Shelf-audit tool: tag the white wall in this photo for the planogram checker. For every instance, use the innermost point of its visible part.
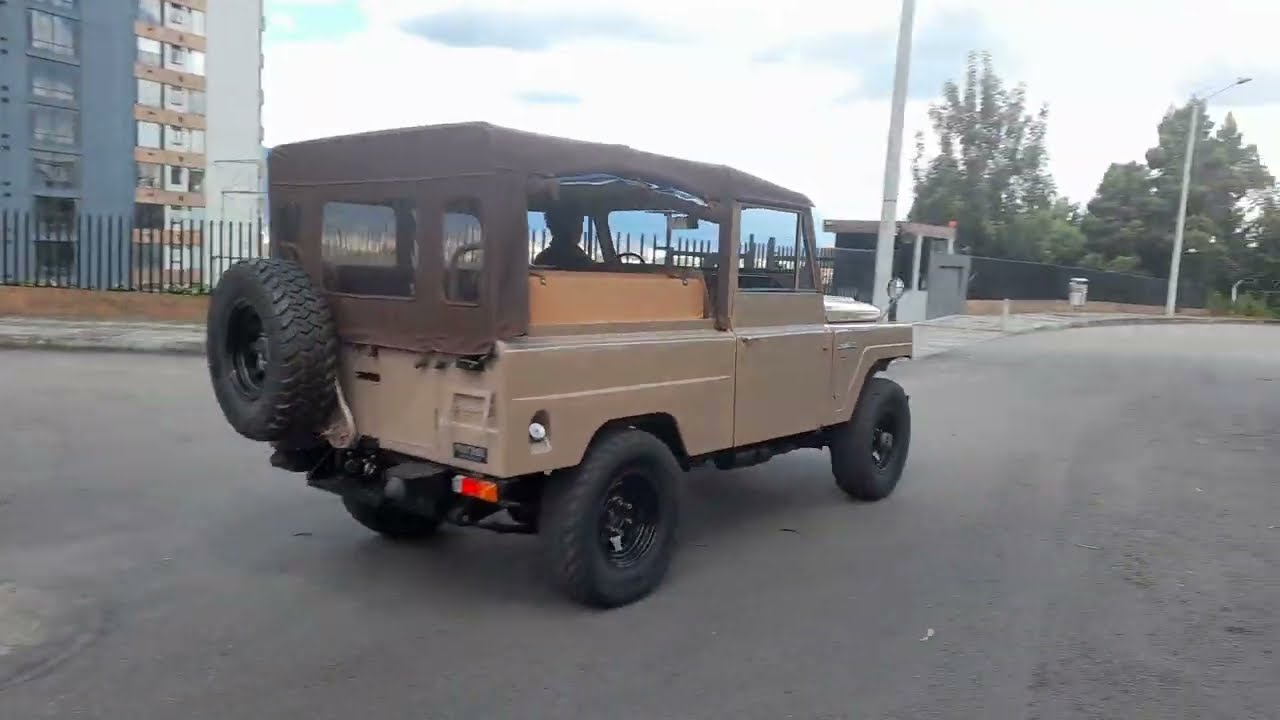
(233, 143)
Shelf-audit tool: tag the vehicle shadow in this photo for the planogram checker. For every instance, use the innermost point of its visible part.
(318, 543)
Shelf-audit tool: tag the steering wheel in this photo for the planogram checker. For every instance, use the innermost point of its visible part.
(454, 285)
(637, 256)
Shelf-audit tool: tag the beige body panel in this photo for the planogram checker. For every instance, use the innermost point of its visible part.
(560, 297)
(782, 371)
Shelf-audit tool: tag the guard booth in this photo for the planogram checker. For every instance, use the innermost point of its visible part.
(936, 278)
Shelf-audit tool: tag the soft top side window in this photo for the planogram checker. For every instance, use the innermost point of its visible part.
(370, 248)
(463, 251)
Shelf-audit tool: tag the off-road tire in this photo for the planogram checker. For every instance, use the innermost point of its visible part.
(572, 520)
(392, 522)
(856, 469)
(297, 392)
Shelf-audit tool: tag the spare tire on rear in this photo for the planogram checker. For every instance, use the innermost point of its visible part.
(272, 350)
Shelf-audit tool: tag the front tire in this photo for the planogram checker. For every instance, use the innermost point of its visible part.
(390, 521)
(869, 451)
(608, 525)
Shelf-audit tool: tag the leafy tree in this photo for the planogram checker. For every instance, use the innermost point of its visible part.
(990, 167)
(1134, 213)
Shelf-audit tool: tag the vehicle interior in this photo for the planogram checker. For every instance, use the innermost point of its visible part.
(581, 276)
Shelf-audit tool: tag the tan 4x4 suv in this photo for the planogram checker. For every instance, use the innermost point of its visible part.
(403, 349)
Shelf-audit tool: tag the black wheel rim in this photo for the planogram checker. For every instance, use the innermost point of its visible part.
(629, 518)
(247, 350)
(884, 445)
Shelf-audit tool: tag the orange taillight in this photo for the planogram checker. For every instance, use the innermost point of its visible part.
(475, 487)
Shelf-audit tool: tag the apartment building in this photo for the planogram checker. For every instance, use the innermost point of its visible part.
(147, 110)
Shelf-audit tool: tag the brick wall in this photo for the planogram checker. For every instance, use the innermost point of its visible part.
(101, 305)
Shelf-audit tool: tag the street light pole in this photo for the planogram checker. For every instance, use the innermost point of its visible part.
(1175, 261)
(893, 160)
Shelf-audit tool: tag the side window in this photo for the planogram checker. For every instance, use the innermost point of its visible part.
(772, 250)
(370, 249)
(463, 251)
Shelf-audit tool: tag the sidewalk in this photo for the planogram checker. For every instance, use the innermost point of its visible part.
(933, 337)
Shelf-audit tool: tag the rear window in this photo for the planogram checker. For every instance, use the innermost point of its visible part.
(370, 248)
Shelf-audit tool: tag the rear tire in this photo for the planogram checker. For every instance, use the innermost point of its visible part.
(608, 525)
(272, 350)
(866, 463)
(392, 522)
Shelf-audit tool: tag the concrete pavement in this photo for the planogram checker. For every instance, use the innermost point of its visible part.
(1088, 526)
(932, 337)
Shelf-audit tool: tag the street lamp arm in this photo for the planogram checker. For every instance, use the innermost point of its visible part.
(1239, 81)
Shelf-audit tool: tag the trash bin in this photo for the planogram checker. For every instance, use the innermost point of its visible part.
(1078, 292)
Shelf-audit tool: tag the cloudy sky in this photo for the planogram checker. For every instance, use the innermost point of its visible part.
(796, 91)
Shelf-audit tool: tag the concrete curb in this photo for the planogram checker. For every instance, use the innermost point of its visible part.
(111, 345)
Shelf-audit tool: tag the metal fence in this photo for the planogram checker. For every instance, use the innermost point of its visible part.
(997, 279)
(110, 253)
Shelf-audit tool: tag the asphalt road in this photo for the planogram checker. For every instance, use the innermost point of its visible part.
(1089, 527)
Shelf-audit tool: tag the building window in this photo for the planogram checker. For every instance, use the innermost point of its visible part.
(149, 93)
(195, 102)
(55, 171)
(184, 19)
(180, 139)
(177, 138)
(463, 252)
(55, 217)
(183, 215)
(370, 249)
(176, 99)
(149, 11)
(148, 216)
(53, 82)
(150, 176)
(177, 179)
(55, 226)
(68, 6)
(148, 135)
(56, 127)
(184, 59)
(183, 100)
(149, 52)
(197, 181)
(53, 33)
(56, 255)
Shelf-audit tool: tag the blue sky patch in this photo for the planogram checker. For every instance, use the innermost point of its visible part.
(299, 22)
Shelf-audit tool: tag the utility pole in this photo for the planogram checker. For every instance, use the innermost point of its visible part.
(893, 160)
(1175, 260)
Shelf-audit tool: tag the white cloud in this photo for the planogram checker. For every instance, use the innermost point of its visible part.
(1108, 70)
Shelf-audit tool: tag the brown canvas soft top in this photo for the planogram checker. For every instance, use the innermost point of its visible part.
(441, 151)
(496, 166)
